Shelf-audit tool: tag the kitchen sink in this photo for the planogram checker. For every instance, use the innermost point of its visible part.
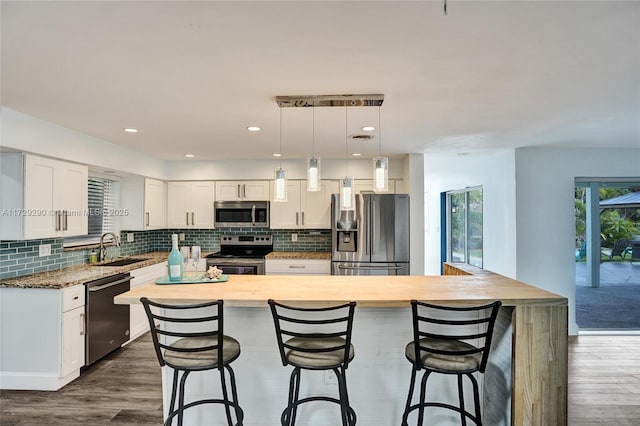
(122, 262)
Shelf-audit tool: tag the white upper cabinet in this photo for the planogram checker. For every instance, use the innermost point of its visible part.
(250, 190)
(155, 202)
(286, 215)
(303, 209)
(145, 201)
(190, 204)
(42, 197)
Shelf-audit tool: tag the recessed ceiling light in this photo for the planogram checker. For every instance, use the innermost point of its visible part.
(356, 154)
(130, 130)
(253, 128)
(277, 154)
(367, 128)
(189, 155)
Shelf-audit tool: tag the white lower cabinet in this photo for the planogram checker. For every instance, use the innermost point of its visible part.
(42, 334)
(297, 267)
(138, 323)
(73, 335)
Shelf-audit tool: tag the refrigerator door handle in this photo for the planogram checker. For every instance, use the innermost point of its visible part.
(366, 207)
(370, 267)
(372, 215)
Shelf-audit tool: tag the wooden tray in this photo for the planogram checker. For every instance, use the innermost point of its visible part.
(192, 280)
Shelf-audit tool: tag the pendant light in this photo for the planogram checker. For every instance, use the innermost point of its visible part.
(347, 193)
(313, 163)
(280, 176)
(380, 165)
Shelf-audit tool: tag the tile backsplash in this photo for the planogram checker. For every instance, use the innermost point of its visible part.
(19, 258)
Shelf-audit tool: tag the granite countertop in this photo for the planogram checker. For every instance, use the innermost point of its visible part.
(79, 274)
(313, 255)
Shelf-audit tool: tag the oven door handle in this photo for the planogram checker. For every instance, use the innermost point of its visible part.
(253, 215)
(107, 285)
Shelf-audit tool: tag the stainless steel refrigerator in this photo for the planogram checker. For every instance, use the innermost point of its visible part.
(372, 239)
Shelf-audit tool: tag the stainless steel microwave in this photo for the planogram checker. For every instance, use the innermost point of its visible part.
(241, 214)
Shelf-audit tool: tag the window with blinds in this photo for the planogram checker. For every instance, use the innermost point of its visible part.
(101, 201)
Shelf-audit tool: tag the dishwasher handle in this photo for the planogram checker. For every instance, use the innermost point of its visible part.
(107, 285)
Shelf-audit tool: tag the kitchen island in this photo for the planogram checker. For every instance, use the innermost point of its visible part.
(525, 384)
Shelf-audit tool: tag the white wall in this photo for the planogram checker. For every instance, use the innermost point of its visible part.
(545, 221)
(415, 181)
(29, 134)
(264, 169)
(495, 173)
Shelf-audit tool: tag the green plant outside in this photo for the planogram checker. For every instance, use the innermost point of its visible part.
(613, 226)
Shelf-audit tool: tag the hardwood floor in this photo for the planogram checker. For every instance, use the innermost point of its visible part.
(124, 389)
(604, 381)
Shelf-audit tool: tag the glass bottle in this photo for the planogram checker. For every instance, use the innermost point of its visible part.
(174, 262)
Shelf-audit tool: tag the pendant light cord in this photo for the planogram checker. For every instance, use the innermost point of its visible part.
(280, 152)
(313, 129)
(379, 133)
(346, 140)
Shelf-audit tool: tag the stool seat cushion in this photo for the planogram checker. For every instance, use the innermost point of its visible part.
(204, 358)
(445, 363)
(320, 360)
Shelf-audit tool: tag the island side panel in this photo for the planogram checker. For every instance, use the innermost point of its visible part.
(540, 370)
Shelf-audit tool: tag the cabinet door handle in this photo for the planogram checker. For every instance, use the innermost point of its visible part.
(57, 220)
(296, 218)
(83, 325)
(66, 215)
(147, 218)
(193, 221)
(297, 267)
(303, 218)
(239, 195)
(187, 218)
(244, 190)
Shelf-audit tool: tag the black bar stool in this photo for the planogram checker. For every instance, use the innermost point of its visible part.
(197, 344)
(441, 344)
(315, 339)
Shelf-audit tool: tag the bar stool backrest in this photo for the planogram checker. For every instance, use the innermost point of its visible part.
(470, 324)
(202, 320)
(313, 323)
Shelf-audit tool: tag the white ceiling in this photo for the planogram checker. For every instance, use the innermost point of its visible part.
(193, 75)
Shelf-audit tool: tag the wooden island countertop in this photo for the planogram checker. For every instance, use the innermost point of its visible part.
(368, 291)
(536, 387)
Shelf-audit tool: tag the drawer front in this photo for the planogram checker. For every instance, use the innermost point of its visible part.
(147, 274)
(298, 266)
(73, 297)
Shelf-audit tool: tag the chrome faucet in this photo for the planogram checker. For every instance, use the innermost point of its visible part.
(103, 250)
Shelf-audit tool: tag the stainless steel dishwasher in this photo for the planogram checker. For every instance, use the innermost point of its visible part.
(107, 323)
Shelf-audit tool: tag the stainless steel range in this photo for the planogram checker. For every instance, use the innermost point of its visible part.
(242, 254)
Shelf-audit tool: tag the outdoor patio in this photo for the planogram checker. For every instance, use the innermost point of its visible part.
(615, 305)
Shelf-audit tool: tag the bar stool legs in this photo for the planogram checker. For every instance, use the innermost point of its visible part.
(347, 414)
(228, 403)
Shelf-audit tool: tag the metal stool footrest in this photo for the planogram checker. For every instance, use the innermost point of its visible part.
(227, 404)
(440, 405)
(351, 414)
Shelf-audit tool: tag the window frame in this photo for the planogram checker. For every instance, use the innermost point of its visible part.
(467, 228)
